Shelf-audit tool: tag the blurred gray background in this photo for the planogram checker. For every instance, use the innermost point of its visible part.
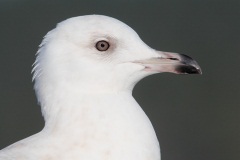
(195, 117)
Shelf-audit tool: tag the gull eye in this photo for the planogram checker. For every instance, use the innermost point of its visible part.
(102, 45)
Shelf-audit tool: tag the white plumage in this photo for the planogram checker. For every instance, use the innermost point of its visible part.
(86, 93)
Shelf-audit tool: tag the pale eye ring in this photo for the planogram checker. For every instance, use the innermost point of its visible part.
(102, 45)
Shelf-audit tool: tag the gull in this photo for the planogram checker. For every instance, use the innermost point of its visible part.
(84, 74)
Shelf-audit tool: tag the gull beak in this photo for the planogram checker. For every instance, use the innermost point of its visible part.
(172, 63)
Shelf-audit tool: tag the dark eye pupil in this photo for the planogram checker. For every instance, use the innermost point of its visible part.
(102, 45)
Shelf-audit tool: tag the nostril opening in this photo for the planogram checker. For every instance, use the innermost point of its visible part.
(175, 59)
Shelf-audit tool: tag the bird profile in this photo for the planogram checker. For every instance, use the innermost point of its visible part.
(84, 74)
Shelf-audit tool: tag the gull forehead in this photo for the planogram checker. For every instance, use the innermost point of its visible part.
(97, 24)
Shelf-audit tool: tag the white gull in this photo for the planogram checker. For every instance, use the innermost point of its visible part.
(84, 74)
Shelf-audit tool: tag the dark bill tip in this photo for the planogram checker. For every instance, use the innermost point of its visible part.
(187, 69)
(188, 66)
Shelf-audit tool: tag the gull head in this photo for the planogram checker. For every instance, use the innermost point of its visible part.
(99, 54)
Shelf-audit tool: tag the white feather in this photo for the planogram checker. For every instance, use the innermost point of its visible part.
(86, 95)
